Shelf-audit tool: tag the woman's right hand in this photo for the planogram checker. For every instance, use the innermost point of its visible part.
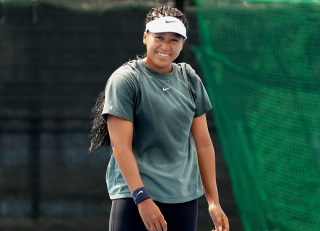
(152, 216)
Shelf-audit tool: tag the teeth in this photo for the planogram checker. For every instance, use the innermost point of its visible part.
(164, 55)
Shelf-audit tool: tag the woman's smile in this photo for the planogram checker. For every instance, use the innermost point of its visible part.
(163, 55)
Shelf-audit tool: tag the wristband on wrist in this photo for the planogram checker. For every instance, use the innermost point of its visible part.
(140, 195)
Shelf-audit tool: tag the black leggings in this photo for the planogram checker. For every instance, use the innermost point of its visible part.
(124, 216)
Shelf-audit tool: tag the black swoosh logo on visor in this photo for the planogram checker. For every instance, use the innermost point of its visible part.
(167, 21)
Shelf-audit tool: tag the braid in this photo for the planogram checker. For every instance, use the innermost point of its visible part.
(99, 132)
(163, 11)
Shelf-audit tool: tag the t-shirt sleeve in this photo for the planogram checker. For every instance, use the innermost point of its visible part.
(200, 95)
(120, 94)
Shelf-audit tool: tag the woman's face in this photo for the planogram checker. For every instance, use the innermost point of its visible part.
(162, 50)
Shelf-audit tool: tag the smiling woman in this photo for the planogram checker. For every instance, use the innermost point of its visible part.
(154, 112)
(162, 50)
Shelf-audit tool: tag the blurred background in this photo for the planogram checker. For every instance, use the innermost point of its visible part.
(259, 61)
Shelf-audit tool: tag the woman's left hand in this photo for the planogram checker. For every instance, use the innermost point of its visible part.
(218, 217)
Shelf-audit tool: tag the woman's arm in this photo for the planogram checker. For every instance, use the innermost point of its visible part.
(121, 136)
(206, 159)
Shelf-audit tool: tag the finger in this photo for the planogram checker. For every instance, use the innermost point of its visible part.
(225, 223)
(158, 226)
(152, 227)
(218, 224)
(164, 225)
(148, 227)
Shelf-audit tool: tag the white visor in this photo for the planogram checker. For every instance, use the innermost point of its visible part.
(167, 24)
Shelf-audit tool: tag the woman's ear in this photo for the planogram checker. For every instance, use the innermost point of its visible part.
(145, 38)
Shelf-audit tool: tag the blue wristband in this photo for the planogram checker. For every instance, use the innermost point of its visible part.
(140, 195)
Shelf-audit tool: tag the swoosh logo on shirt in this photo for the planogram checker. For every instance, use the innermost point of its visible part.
(165, 89)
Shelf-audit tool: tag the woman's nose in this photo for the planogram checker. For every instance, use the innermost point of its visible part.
(165, 45)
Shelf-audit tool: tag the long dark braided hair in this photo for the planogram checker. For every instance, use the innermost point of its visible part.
(99, 132)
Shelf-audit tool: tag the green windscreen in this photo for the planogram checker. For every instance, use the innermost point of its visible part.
(261, 64)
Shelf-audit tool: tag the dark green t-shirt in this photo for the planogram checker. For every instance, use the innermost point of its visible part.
(161, 108)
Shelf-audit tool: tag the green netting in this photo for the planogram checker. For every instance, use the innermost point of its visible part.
(214, 3)
(261, 65)
(281, 1)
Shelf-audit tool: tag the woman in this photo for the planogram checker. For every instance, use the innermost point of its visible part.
(154, 112)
